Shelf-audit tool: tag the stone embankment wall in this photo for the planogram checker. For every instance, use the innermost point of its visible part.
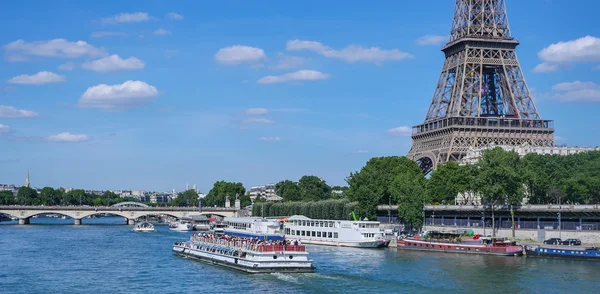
(586, 237)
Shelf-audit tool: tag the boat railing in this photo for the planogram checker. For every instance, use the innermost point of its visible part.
(241, 245)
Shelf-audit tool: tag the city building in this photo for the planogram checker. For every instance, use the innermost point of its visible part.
(474, 154)
(10, 187)
(266, 192)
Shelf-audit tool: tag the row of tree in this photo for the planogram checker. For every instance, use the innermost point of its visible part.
(49, 196)
(217, 196)
(308, 188)
(324, 209)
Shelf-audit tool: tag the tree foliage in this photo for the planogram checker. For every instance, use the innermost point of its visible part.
(325, 209)
(312, 188)
(288, 190)
(448, 180)
(221, 189)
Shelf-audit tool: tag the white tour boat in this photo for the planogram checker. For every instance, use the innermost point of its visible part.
(181, 226)
(143, 227)
(335, 232)
(248, 255)
(254, 227)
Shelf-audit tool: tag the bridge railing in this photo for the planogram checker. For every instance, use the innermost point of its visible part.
(112, 208)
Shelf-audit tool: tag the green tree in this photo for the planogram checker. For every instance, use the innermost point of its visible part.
(221, 189)
(245, 200)
(186, 198)
(288, 190)
(27, 196)
(7, 198)
(313, 188)
(499, 180)
(411, 193)
(339, 192)
(448, 180)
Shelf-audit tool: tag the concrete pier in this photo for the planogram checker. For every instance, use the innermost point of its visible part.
(77, 221)
(24, 221)
(131, 221)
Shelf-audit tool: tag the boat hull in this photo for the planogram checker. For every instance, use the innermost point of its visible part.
(562, 253)
(418, 245)
(242, 264)
(357, 244)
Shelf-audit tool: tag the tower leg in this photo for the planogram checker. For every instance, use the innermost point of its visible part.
(24, 221)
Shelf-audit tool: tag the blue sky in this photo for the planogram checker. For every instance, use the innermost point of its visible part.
(156, 94)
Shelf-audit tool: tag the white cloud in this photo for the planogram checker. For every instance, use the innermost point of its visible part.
(130, 94)
(257, 111)
(559, 138)
(352, 53)
(240, 54)
(126, 17)
(4, 129)
(109, 34)
(361, 151)
(40, 78)
(400, 131)
(269, 139)
(67, 66)
(161, 32)
(114, 63)
(258, 120)
(68, 137)
(576, 92)
(582, 50)
(287, 62)
(174, 16)
(11, 112)
(431, 40)
(301, 75)
(19, 50)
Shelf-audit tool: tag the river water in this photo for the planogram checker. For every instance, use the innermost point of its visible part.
(107, 257)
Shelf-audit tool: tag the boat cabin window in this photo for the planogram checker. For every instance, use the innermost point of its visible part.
(328, 234)
(313, 233)
(335, 235)
(319, 234)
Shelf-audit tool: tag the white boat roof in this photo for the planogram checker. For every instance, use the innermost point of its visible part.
(301, 217)
(248, 219)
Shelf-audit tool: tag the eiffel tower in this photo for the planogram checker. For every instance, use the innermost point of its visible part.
(481, 98)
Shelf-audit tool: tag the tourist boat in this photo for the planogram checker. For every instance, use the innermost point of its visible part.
(143, 227)
(452, 242)
(181, 226)
(246, 255)
(218, 228)
(558, 251)
(254, 227)
(356, 233)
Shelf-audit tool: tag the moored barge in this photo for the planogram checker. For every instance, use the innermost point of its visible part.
(567, 252)
(246, 254)
(451, 242)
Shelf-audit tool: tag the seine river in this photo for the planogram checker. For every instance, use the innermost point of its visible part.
(108, 257)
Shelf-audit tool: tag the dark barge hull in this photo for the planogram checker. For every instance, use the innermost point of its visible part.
(246, 269)
(569, 254)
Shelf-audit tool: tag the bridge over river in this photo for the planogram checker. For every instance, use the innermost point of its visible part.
(130, 211)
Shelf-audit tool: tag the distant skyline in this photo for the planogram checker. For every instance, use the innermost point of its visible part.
(118, 95)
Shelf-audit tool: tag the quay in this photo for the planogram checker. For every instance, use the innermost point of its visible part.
(128, 210)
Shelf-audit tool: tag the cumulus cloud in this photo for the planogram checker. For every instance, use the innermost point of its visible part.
(40, 78)
(352, 53)
(174, 16)
(400, 131)
(301, 75)
(114, 63)
(257, 111)
(431, 40)
(576, 92)
(269, 138)
(19, 50)
(67, 66)
(130, 94)
(582, 50)
(161, 32)
(108, 34)
(11, 112)
(258, 120)
(67, 137)
(240, 54)
(126, 17)
(4, 129)
(287, 62)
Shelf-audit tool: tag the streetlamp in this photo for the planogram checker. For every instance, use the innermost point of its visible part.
(559, 226)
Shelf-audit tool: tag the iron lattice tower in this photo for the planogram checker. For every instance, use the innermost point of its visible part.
(481, 98)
